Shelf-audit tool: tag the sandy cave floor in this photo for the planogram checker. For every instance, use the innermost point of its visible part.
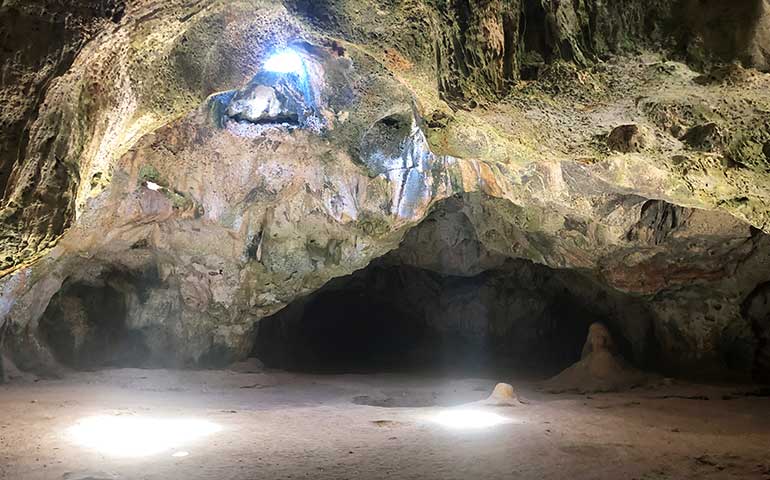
(279, 425)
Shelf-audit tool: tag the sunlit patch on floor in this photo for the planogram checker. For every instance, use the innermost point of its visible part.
(131, 436)
(468, 419)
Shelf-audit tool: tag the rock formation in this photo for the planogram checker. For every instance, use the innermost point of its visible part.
(600, 369)
(503, 396)
(152, 166)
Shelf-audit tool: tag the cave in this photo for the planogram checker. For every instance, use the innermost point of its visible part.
(390, 317)
(345, 329)
(384, 239)
(97, 335)
(117, 318)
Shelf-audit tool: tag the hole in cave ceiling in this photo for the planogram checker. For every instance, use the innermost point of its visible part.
(282, 94)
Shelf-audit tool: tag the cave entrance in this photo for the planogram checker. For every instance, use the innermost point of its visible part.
(86, 324)
(391, 317)
(350, 326)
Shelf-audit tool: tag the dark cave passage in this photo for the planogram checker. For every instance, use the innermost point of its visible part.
(388, 318)
(756, 308)
(85, 326)
(90, 325)
(341, 330)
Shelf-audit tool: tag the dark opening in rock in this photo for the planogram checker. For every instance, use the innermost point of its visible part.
(347, 326)
(537, 38)
(87, 324)
(383, 145)
(400, 318)
(756, 308)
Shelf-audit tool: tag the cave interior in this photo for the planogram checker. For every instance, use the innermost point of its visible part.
(384, 239)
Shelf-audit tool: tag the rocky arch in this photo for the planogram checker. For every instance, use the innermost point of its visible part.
(132, 151)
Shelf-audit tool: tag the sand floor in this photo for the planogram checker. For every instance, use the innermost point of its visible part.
(290, 426)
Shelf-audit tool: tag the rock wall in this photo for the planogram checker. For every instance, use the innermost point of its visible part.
(37, 181)
(645, 283)
(603, 137)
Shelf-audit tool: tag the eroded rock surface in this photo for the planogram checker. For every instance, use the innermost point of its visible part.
(627, 143)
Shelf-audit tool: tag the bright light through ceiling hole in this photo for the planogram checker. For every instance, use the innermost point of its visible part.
(285, 61)
(131, 436)
(465, 419)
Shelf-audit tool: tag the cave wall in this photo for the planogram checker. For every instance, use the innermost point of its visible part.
(476, 308)
(755, 309)
(481, 48)
(114, 319)
(37, 183)
(602, 137)
(677, 288)
(716, 31)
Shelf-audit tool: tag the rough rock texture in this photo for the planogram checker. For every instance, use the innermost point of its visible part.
(756, 309)
(503, 396)
(624, 140)
(600, 369)
(40, 43)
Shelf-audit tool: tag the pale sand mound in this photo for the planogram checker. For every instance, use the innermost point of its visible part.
(599, 370)
(503, 396)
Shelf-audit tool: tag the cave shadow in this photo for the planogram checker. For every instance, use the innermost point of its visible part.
(518, 320)
(87, 324)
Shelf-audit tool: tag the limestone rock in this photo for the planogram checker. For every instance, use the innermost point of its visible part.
(599, 339)
(9, 373)
(261, 104)
(600, 369)
(251, 365)
(251, 214)
(628, 139)
(757, 308)
(706, 137)
(503, 396)
(89, 475)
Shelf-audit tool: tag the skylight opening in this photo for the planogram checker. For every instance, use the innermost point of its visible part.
(285, 61)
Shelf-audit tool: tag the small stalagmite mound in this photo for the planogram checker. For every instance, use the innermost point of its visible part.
(600, 369)
(503, 396)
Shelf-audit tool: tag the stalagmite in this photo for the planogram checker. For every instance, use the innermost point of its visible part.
(600, 369)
